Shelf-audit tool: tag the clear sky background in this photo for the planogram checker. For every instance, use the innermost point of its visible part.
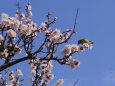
(96, 21)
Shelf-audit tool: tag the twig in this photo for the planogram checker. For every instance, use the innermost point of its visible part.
(73, 29)
(75, 83)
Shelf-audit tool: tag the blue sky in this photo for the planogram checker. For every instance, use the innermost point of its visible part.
(96, 21)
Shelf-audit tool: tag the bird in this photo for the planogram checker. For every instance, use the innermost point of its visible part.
(84, 40)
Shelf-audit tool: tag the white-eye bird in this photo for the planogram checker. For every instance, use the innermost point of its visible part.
(84, 40)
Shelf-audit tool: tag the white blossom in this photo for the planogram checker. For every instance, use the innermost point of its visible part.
(30, 79)
(74, 63)
(1, 38)
(43, 25)
(19, 73)
(23, 15)
(30, 14)
(49, 77)
(59, 82)
(9, 83)
(67, 50)
(4, 15)
(74, 48)
(4, 54)
(11, 75)
(11, 33)
(29, 7)
(33, 72)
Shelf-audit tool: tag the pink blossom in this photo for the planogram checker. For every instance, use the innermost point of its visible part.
(30, 14)
(49, 77)
(4, 54)
(81, 48)
(43, 25)
(11, 75)
(67, 50)
(23, 15)
(59, 82)
(30, 79)
(29, 7)
(4, 15)
(19, 73)
(55, 32)
(0, 75)
(74, 63)
(50, 66)
(74, 48)
(1, 38)
(17, 49)
(33, 72)
(11, 33)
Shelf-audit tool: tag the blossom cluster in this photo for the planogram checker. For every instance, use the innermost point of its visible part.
(74, 48)
(56, 36)
(9, 49)
(45, 68)
(13, 78)
(70, 49)
(9, 22)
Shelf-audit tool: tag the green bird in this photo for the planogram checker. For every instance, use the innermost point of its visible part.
(84, 40)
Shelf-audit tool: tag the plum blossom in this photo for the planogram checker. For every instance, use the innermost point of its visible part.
(11, 75)
(81, 48)
(33, 72)
(4, 15)
(1, 38)
(50, 66)
(10, 83)
(30, 14)
(30, 79)
(0, 75)
(70, 49)
(5, 23)
(74, 63)
(27, 29)
(67, 35)
(17, 49)
(67, 50)
(49, 77)
(59, 82)
(56, 36)
(55, 32)
(11, 33)
(23, 15)
(74, 48)
(9, 22)
(44, 65)
(4, 54)
(29, 7)
(15, 22)
(33, 63)
(18, 73)
(43, 25)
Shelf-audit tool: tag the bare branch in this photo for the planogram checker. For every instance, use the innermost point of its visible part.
(75, 83)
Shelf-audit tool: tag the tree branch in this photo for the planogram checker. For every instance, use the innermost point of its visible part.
(4, 66)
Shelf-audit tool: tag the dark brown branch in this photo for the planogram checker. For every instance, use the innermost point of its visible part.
(4, 66)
